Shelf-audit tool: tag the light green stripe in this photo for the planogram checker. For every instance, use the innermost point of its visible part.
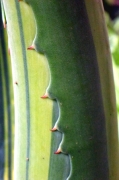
(26, 85)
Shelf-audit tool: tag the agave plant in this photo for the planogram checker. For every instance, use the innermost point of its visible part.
(65, 112)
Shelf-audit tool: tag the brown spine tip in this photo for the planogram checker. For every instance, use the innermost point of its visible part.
(5, 25)
(53, 129)
(32, 47)
(58, 151)
(44, 96)
(16, 82)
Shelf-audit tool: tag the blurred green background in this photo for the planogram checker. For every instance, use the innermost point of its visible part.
(112, 21)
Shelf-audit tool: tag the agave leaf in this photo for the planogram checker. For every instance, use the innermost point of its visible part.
(72, 66)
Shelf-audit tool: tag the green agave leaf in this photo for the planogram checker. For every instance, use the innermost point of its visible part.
(107, 84)
(33, 115)
(73, 67)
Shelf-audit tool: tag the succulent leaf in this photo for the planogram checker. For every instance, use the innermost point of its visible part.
(70, 64)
